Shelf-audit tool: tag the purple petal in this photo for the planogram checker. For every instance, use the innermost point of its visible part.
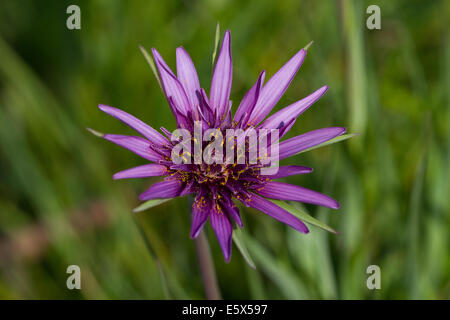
(158, 58)
(162, 190)
(207, 112)
(286, 171)
(200, 213)
(285, 191)
(223, 229)
(274, 89)
(307, 140)
(147, 170)
(286, 128)
(141, 127)
(182, 120)
(233, 211)
(187, 75)
(172, 87)
(222, 77)
(271, 209)
(292, 111)
(249, 101)
(138, 145)
(188, 189)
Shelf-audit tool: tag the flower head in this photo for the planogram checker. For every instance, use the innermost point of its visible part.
(214, 185)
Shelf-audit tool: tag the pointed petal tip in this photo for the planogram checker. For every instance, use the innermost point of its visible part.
(338, 130)
(109, 110)
(196, 231)
(226, 41)
(194, 235)
(275, 88)
(162, 190)
(144, 196)
(298, 59)
(262, 75)
(156, 55)
(224, 230)
(227, 254)
(197, 226)
(112, 111)
(180, 49)
(104, 107)
(302, 53)
(222, 78)
(119, 176)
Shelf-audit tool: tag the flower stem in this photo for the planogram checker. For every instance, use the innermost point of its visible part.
(207, 270)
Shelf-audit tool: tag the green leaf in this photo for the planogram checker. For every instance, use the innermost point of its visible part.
(279, 272)
(150, 61)
(240, 244)
(150, 204)
(96, 133)
(308, 45)
(334, 140)
(216, 43)
(302, 215)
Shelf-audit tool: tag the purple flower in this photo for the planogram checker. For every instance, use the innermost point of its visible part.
(214, 186)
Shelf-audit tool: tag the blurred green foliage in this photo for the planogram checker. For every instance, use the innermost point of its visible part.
(59, 205)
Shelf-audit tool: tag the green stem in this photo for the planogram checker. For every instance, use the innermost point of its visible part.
(206, 263)
(207, 270)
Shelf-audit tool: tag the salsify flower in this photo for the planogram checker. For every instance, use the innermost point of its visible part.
(214, 186)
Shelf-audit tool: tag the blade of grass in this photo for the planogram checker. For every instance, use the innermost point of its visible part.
(334, 140)
(353, 33)
(280, 274)
(151, 63)
(150, 204)
(255, 284)
(413, 221)
(165, 287)
(96, 133)
(240, 244)
(216, 43)
(302, 215)
(158, 252)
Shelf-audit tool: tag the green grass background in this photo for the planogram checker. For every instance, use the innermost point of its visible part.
(59, 205)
